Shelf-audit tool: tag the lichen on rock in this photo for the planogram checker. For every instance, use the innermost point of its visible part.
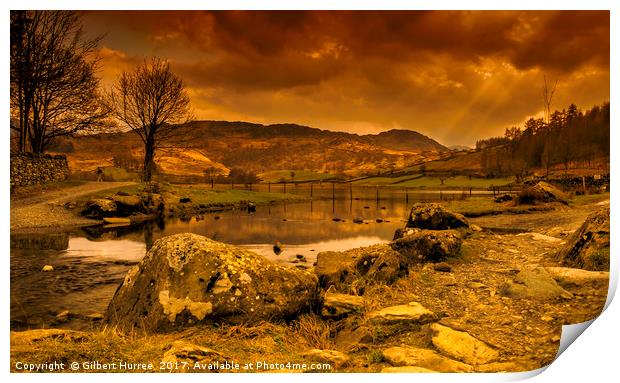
(187, 279)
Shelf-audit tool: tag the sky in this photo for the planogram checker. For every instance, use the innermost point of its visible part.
(456, 76)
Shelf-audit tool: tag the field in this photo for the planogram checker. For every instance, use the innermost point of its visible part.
(435, 182)
(300, 176)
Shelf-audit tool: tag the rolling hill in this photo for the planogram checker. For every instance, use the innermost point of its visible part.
(222, 145)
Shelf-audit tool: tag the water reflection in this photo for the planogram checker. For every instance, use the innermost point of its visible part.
(90, 263)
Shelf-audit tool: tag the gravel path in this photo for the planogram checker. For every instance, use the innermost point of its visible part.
(47, 210)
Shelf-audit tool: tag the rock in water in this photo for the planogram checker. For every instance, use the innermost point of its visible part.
(100, 207)
(428, 245)
(462, 346)
(588, 247)
(433, 216)
(186, 279)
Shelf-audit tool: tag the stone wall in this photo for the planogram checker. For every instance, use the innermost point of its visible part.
(31, 169)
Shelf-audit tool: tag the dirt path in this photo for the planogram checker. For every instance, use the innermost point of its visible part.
(47, 210)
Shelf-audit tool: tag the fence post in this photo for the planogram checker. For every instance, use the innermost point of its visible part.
(310, 189)
(407, 195)
(285, 187)
(269, 183)
(333, 191)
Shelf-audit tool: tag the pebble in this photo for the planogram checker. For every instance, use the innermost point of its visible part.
(48, 268)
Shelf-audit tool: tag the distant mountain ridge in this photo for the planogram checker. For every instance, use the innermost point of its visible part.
(237, 144)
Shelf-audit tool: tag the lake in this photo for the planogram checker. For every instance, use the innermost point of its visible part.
(90, 263)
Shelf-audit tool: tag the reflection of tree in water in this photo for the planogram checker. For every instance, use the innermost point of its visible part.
(148, 230)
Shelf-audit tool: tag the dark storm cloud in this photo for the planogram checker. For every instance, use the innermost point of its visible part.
(457, 75)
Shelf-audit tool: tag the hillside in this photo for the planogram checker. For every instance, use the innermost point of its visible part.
(222, 145)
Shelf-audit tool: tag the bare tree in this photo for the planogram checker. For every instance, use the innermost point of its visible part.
(547, 97)
(54, 89)
(151, 101)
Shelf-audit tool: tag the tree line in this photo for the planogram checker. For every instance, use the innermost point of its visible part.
(564, 137)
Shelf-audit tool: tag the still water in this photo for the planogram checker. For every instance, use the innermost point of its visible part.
(90, 263)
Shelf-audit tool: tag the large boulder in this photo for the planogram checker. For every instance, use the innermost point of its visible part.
(377, 263)
(433, 216)
(542, 192)
(588, 247)
(188, 279)
(428, 245)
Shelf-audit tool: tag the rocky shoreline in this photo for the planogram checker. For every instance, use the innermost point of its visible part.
(445, 296)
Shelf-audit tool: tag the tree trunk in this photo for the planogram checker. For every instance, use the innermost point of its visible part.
(149, 155)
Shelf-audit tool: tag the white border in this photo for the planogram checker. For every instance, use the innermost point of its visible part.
(594, 355)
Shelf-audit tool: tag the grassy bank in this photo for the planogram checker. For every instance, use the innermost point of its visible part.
(202, 194)
(267, 342)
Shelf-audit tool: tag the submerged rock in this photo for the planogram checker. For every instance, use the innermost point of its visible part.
(421, 357)
(378, 263)
(186, 279)
(428, 245)
(433, 216)
(588, 247)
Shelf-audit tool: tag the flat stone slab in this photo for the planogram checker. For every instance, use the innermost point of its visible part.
(411, 312)
(421, 357)
(577, 277)
(117, 220)
(407, 370)
(335, 304)
(462, 346)
(534, 283)
(541, 237)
